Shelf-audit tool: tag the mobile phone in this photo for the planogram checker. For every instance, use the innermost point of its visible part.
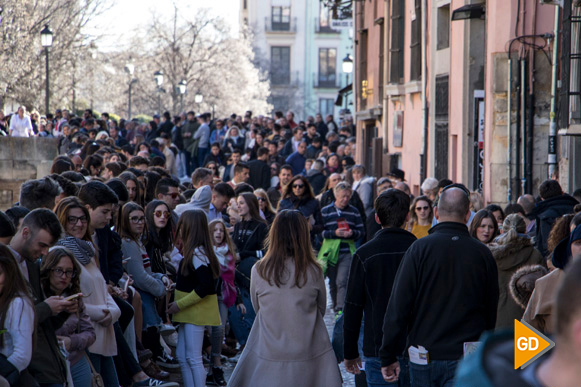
(73, 297)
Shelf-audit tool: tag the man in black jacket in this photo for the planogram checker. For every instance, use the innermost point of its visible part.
(259, 170)
(371, 279)
(445, 295)
(554, 204)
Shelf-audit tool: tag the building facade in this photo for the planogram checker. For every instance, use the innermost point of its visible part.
(297, 47)
(440, 106)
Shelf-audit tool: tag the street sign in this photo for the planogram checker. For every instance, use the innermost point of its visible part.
(341, 24)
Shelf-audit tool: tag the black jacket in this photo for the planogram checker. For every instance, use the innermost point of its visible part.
(259, 174)
(110, 255)
(546, 213)
(249, 236)
(371, 278)
(316, 180)
(445, 294)
(371, 226)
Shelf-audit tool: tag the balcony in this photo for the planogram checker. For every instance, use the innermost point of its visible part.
(276, 27)
(324, 29)
(330, 81)
(280, 78)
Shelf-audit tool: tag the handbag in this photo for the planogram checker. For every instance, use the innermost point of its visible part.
(96, 379)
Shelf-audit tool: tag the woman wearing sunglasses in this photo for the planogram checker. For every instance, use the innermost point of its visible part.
(421, 216)
(298, 195)
(149, 284)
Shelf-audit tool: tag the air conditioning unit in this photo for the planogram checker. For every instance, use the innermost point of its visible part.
(554, 2)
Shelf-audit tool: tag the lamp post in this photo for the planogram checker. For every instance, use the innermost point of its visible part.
(129, 69)
(198, 98)
(181, 88)
(347, 69)
(158, 77)
(46, 42)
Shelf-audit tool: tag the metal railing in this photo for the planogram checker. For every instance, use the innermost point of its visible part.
(324, 29)
(272, 26)
(330, 81)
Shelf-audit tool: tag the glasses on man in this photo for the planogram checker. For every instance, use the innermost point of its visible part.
(173, 195)
(160, 214)
(67, 273)
(76, 219)
(137, 219)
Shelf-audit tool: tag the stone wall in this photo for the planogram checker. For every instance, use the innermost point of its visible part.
(23, 159)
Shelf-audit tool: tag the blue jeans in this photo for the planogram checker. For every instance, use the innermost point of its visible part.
(373, 373)
(105, 366)
(241, 324)
(189, 354)
(81, 372)
(438, 373)
(202, 152)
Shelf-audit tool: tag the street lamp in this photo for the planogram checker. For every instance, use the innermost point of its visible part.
(130, 69)
(46, 42)
(198, 98)
(158, 77)
(182, 90)
(347, 69)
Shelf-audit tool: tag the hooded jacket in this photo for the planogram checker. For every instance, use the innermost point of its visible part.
(546, 213)
(201, 199)
(509, 258)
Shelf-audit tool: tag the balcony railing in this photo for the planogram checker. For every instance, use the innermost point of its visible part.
(284, 79)
(289, 27)
(326, 82)
(320, 29)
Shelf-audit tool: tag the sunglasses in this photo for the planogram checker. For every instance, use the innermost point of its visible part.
(261, 199)
(298, 186)
(425, 208)
(173, 195)
(159, 214)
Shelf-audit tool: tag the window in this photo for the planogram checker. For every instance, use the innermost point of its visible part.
(416, 46)
(245, 4)
(280, 65)
(326, 106)
(443, 27)
(324, 21)
(281, 18)
(327, 67)
(397, 36)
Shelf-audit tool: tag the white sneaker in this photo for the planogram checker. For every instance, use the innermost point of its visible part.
(167, 329)
(171, 339)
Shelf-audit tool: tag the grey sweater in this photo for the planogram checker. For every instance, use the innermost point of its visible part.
(139, 267)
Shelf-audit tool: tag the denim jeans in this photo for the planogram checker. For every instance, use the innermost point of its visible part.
(202, 152)
(105, 366)
(438, 373)
(242, 323)
(373, 373)
(217, 335)
(189, 354)
(81, 372)
(338, 276)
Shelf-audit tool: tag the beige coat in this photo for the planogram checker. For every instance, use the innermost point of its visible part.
(97, 299)
(539, 311)
(288, 344)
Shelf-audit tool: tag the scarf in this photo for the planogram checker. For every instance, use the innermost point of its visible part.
(83, 250)
(221, 252)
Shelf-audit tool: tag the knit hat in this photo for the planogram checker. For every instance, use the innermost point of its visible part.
(562, 253)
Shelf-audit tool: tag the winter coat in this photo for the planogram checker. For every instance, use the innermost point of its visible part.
(307, 207)
(509, 258)
(288, 345)
(522, 283)
(546, 213)
(316, 180)
(79, 329)
(539, 312)
(259, 174)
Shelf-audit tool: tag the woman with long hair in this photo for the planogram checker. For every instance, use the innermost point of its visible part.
(60, 276)
(99, 305)
(233, 139)
(16, 318)
(133, 232)
(298, 195)
(196, 303)
(421, 216)
(484, 227)
(511, 251)
(265, 205)
(289, 294)
(133, 187)
(225, 251)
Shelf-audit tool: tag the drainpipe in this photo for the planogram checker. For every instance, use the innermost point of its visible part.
(424, 166)
(509, 148)
(552, 158)
(523, 123)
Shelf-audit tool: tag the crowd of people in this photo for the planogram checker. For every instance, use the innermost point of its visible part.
(174, 244)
